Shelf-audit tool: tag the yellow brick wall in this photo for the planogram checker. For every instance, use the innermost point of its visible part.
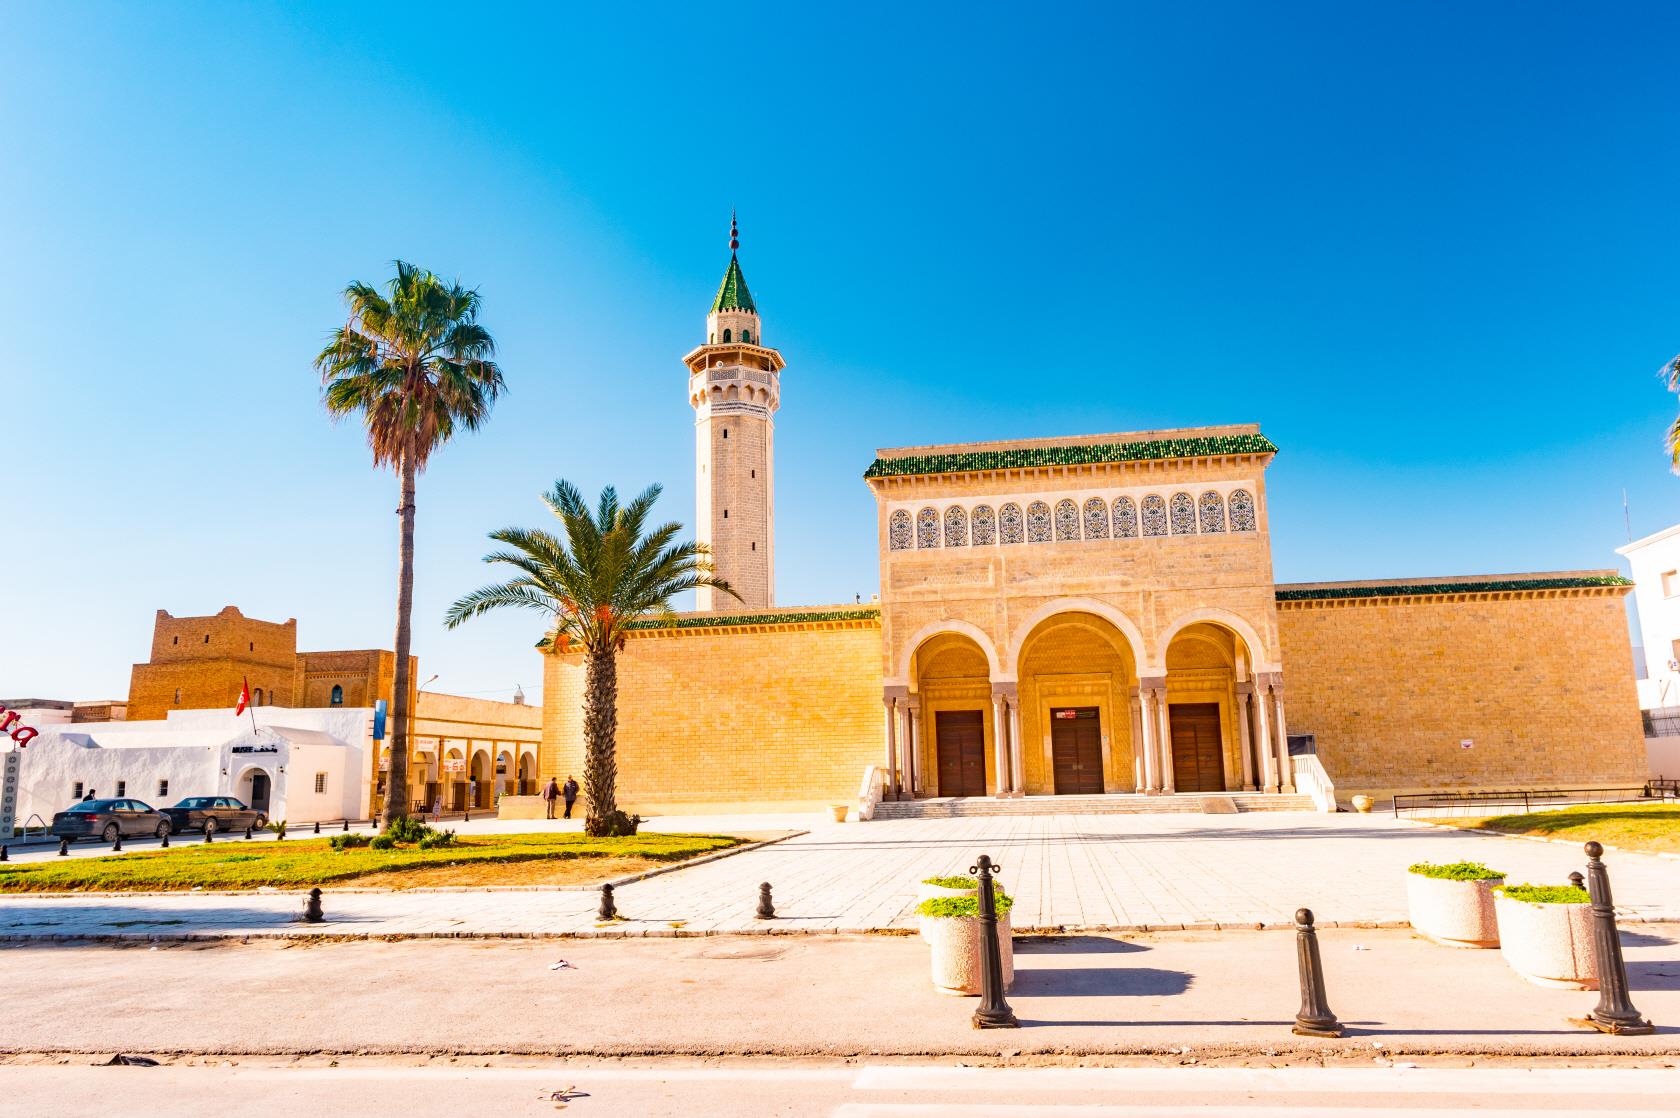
(752, 717)
(1542, 684)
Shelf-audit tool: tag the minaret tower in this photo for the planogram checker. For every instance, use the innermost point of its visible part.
(735, 386)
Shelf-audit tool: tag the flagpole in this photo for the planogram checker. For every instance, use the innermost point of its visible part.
(250, 707)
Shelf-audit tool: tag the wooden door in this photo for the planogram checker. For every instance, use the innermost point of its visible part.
(1076, 750)
(1197, 752)
(961, 743)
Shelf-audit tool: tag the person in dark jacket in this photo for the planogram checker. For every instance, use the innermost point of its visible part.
(570, 790)
(550, 793)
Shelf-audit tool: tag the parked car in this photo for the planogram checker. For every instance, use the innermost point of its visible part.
(107, 819)
(213, 813)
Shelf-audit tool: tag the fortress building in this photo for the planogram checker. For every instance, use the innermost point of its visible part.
(1084, 622)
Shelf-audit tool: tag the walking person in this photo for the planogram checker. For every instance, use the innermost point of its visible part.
(570, 790)
(550, 793)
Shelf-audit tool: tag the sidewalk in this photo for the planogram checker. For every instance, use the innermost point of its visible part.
(1189, 994)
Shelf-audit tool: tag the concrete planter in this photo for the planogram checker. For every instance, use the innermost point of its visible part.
(1453, 913)
(1363, 803)
(957, 965)
(1548, 944)
(839, 811)
(924, 891)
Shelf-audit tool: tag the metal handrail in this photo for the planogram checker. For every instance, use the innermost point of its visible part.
(25, 827)
(1657, 789)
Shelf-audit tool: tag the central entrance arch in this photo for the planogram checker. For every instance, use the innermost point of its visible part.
(1076, 673)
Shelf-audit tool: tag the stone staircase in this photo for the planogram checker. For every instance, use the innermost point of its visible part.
(1192, 803)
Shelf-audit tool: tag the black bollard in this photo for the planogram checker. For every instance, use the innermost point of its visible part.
(5, 855)
(608, 910)
(116, 847)
(1315, 1018)
(1577, 880)
(347, 826)
(63, 847)
(165, 838)
(247, 832)
(994, 1012)
(312, 908)
(466, 816)
(1615, 1012)
(209, 833)
(766, 909)
(317, 826)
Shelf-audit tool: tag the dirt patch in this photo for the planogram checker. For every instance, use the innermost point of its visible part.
(549, 871)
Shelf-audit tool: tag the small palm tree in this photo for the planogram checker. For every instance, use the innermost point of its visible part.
(416, 366)
(607, 573)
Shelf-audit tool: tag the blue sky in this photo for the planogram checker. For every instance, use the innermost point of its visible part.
(1429, 247)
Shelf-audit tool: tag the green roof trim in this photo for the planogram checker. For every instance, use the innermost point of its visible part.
(727, 620)
(1201, 446)
(732, 292)
(1419, 589)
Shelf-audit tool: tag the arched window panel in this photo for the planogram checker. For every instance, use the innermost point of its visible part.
(984, 525)
(1038, 522)
(1096, 519)
(1067, 520)
(1154, 515)
(1125, 518)
(927, 528)
(337, 695)
(1242, 511)
(1011, 524)
(1183, 514)
(956, 527)
(900, 536)
(1213, 512)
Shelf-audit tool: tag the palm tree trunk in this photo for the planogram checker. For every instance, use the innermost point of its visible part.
(396, 784)
(600, 734)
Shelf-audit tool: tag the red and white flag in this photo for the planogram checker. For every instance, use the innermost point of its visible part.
(244, 697)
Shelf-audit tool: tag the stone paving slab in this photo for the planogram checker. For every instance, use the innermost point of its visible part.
(1076, 872)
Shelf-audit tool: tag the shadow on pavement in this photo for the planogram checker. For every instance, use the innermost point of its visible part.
(1098, 982)
(1654, 975)
(105, 919)
(1075, 945)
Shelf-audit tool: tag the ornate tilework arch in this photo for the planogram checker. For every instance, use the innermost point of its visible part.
(900, 535)
(956, 526)
(927, 528)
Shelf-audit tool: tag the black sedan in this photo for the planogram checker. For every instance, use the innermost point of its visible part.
(107, 819)
(213, 813)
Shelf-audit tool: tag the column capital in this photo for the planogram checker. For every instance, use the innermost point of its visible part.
(1005, 689)
(1245, 687)
(1152, 683)
(914, 703)
(894, 691)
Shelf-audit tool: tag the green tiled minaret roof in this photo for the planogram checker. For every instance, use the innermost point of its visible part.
(732, 292)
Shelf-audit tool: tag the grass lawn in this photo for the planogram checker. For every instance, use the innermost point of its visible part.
(1629, 826)
(301, 863)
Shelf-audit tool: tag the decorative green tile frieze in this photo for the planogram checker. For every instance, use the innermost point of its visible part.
(725, 620)
(1202, 446)
(1412, 590)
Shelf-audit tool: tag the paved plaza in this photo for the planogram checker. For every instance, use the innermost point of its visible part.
(1079, 872)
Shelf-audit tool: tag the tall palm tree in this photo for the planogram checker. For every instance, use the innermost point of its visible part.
(415, 365)
(1671, 440)
(607, 573)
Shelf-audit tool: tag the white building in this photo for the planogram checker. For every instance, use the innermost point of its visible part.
(1655, 561)
(306, 765)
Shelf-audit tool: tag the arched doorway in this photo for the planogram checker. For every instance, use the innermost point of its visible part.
(255, 787)
(527, 775)
(480, 780)
(504, 773)
(455, 775)
(1076, 674)
(1204, 663)
(952, 743)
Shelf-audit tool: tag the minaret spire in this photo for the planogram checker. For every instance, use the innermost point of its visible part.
(734, 233)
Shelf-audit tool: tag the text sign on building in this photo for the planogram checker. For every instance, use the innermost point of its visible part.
(9, 792)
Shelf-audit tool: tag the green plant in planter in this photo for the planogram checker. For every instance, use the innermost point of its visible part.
(1546, 894)
(952, 882)
(1455, 871)
(962, 906)
(279, 828)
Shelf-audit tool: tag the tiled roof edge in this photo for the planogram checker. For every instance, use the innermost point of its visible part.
(727, 620)
(1420, 589)
(1205, 446)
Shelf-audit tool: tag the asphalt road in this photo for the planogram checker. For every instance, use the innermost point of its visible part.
(784, 1088)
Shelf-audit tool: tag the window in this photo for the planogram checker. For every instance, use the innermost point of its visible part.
(253, 646)
(753, 473)
(177, 696)
(985, 525)
(956, 526)
(1154, 515)
(175, 640)
(746, 336)
(1096, 519)
(1183, 514)
(1125, 518)
(256, 697)
(320, 784)
(1067, 520)
(122, 788)
(1213, 512)
(76, 790)
(899, 535)
(163, 789)
(337, 695)
(726, 514)
(1011, 524)
(755, 545)
(927, 528)
(1671, 583)
(726, 336)
(1242, 511)
(206, 638)
(1038, 522)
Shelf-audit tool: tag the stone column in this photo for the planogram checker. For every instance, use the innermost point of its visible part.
(1286, 771)
(1148, 700)
(889, 700)
(1245, 694)
(1000, 733)
(1263, 736)
(1168, 785)
(1017, 766)
(917, 781)
(903, 709)
(1140, 784)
